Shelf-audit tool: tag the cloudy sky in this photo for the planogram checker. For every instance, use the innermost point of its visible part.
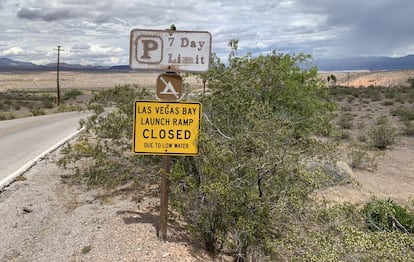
(97, 32)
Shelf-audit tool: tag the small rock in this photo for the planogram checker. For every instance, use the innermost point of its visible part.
(27, 210)
(20, 178)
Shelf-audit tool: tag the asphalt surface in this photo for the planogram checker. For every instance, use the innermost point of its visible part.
(23, 141)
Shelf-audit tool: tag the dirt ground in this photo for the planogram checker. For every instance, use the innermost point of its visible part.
(393, 173)
(43, 219)
(392, 178)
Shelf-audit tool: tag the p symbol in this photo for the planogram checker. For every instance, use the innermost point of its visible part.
(149, 49)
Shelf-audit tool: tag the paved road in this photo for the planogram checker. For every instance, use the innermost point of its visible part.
(24, 140)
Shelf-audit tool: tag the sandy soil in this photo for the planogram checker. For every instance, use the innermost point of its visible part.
(392, 178)
(80, 80)
(97, 81)
(43, 219)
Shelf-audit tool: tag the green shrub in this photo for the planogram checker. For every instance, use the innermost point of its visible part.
(257, 131)
(357, 157)
(400, 98)
(86, 249)
(372, 93)
(359, 245)
(381, 120)
(37, 111)
(408, 127)
(6, 116)
(349, 99)
(48, 103)
(382, 134)
(337, 233)
(411, 82)
(385, 215)
(390, 93)
(361, 125)
(72, 93)
(68, 108)
(404, 113)
(344, 135)
(4, 106)
(347, 108)
(105, 145)
(362, 138)
(345, 121)
(360, 157)
(388, 103)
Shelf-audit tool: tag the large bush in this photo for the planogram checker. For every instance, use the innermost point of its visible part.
(382, 134)
(259, 127)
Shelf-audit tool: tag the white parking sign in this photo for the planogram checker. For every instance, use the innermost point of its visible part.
(167, 50)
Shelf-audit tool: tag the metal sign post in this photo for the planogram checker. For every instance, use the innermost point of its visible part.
(162, 127)
(165, 188)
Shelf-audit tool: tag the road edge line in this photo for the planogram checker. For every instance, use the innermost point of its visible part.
(9, 179)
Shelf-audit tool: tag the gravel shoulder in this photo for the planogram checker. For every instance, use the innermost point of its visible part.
(44, 219)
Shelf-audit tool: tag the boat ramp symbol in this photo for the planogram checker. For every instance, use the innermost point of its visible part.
(169, 87)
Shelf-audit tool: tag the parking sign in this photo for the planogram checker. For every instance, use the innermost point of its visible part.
(168, 50)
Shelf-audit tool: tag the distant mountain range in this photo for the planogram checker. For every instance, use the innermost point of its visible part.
(372, 63)
(7, 64)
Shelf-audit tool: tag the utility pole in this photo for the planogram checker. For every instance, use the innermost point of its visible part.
(57, 75)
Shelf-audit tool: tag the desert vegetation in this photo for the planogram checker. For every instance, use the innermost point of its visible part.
(271, 136)
(34, 102)
(271, 139)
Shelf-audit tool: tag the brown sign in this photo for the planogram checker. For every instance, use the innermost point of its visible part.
(169, 87)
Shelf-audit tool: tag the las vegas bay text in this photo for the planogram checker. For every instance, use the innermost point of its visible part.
(166, 127)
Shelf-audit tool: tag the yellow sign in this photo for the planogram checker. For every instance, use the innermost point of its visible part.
(166, 128)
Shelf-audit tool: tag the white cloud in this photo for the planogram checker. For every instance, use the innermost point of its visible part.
(115, 60)
(97, 32)
(13, 51)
